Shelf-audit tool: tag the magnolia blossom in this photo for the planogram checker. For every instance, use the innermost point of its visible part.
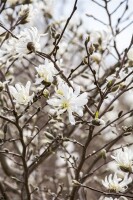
(124, 158)
(26, 37)
(46, 72)
(66, 99)
(27, 42)
(130, 54)
(21, 93)
(115, 184)
(101, 37)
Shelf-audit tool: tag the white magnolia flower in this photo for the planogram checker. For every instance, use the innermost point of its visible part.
(115, 184)
(26, 37)
(130, 54)
(46, 72)
(28, 41)
(124, 158)
(21, 93)
(66, 99)
(102, 37)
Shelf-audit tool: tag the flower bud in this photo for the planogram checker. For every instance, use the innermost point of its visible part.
(86, 41)
(75, 183)
(115, 88)
(57, 36)
(97, 122)
(46, 93)
(49, 135)
(88, 38)
(103, 153)
(111, 83)
(126, 168)
(47, 84)
(91, 49)
(122, 86)
(85, 61)
(31, 47)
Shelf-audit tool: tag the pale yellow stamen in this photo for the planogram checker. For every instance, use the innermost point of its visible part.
(65, 104)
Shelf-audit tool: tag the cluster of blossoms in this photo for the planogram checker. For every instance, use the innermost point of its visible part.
(62, 98)
(66, 99)
(114, 183)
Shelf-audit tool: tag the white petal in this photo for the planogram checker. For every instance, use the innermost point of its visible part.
(71, 118)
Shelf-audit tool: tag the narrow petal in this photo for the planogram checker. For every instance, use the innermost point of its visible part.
(71, 118)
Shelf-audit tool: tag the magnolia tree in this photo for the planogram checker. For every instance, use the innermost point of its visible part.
(65, 102)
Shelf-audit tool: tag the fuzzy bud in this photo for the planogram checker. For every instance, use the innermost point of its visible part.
(122, 86)
(91, 49)
(115, 88)
(103, 153)
(31, 47)
(46, 93)
(111, 83)
(85, 61)
(97, 122)
(49, 135)
(75, 183)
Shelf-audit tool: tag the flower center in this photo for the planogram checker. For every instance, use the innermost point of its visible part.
(65, 104)
(44, 75)
(24, 97)
(113, 188)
